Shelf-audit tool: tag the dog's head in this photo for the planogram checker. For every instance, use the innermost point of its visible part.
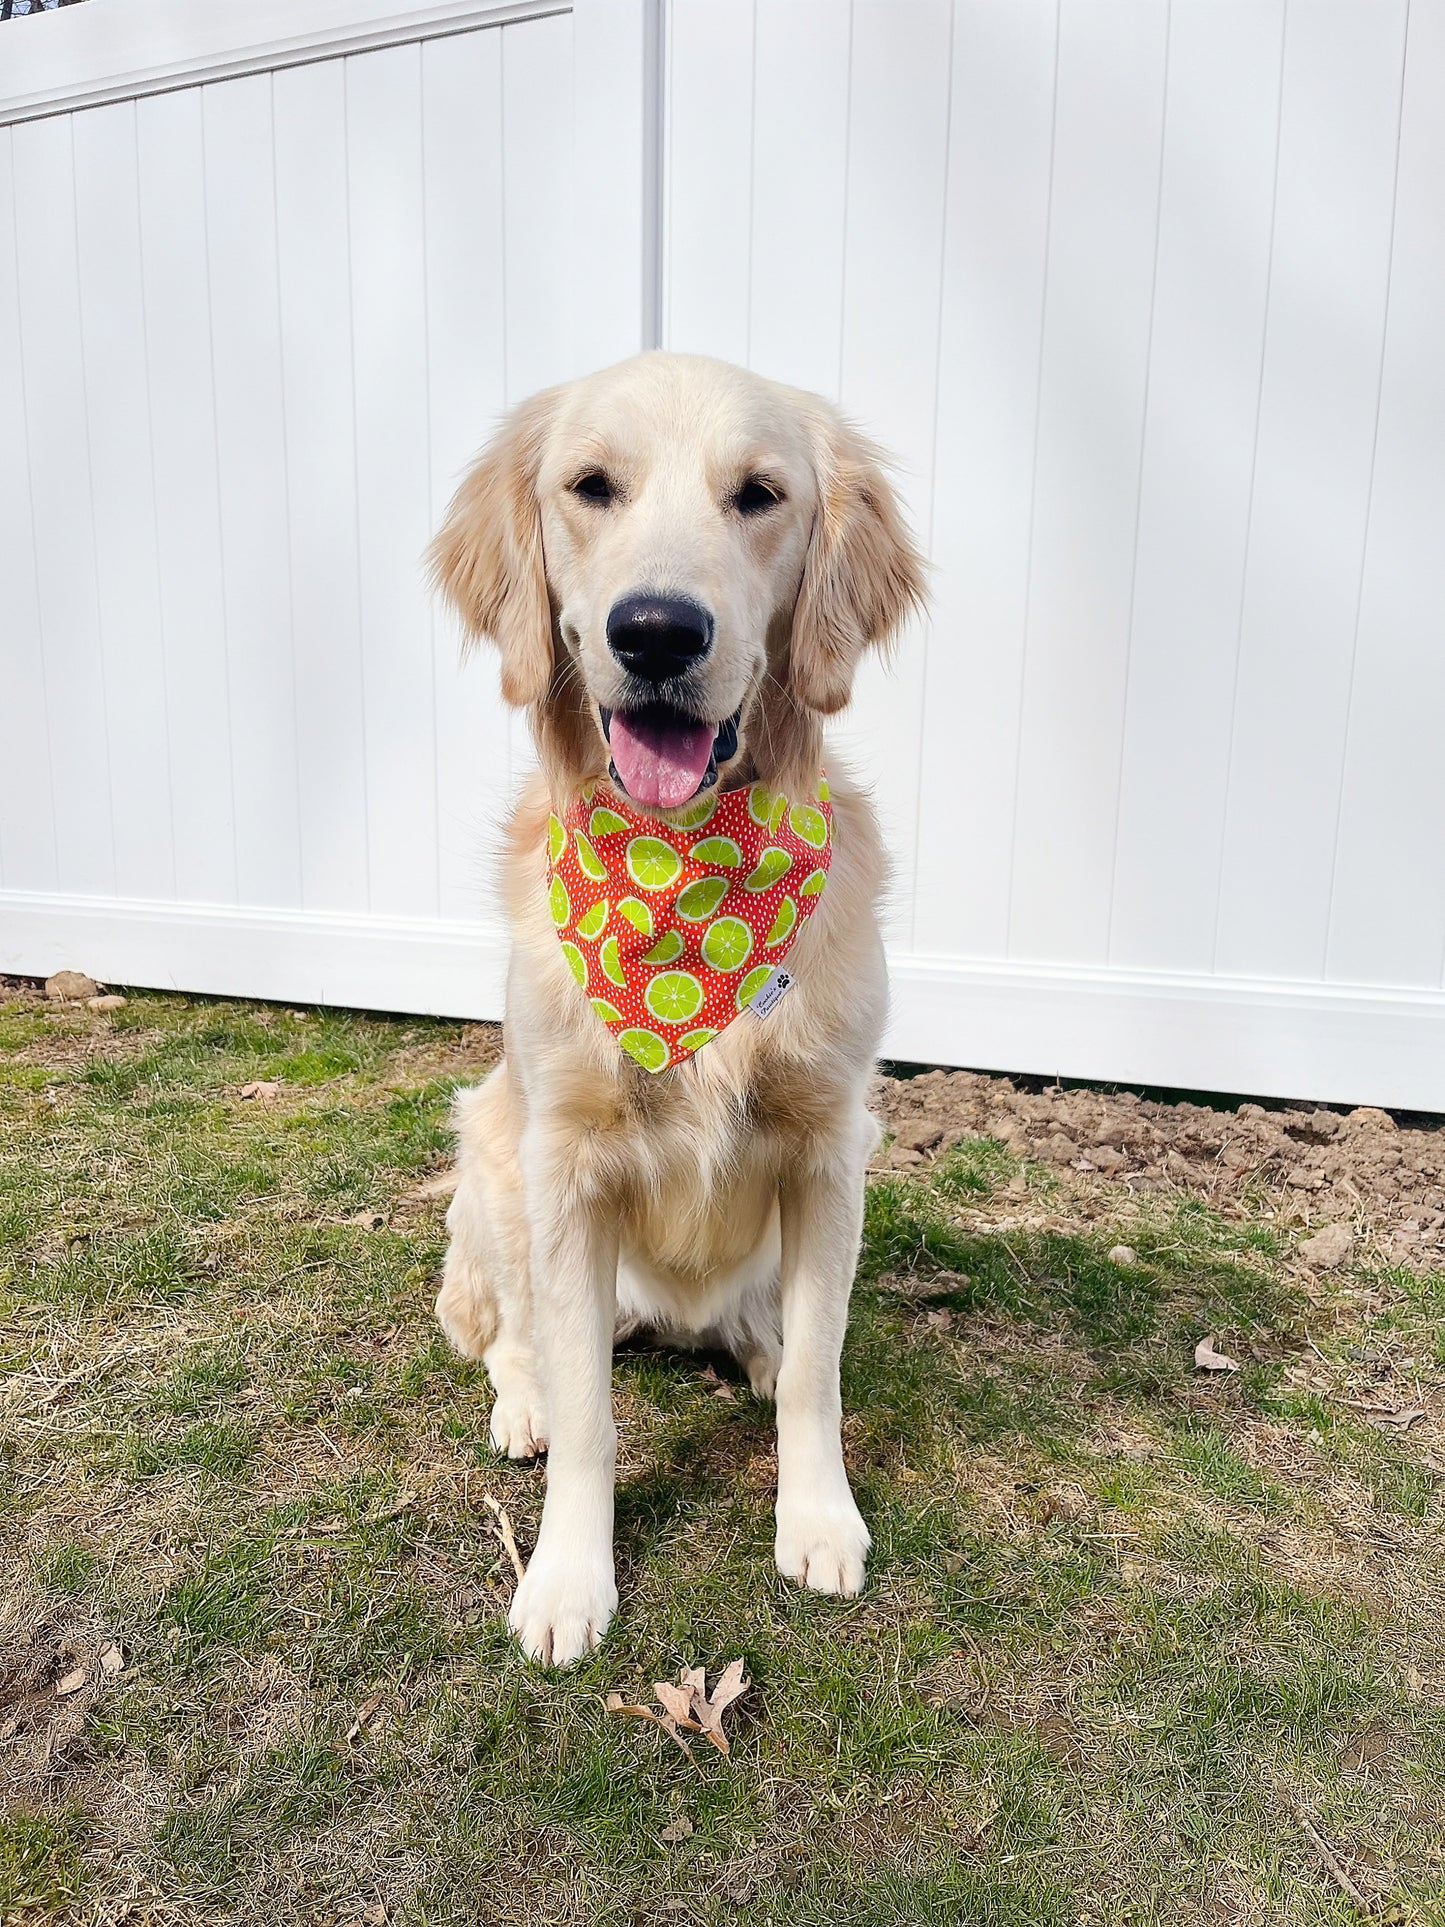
(681, 564)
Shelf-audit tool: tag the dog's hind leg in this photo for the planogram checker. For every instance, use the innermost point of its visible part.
(485, 1302)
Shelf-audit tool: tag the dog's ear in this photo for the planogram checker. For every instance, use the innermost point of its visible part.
(863, 573)
(487, 558)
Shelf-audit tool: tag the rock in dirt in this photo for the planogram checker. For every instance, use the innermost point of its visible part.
(1329, 1247)
(70, 987)
(1368, 1118)
(112, 1002)
(1123, 1255)
(922, 1134)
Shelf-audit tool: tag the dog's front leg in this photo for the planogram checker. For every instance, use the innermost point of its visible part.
(821, 1537)
(564, 1603)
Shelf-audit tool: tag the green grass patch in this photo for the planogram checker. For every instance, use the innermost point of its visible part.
(1119, 1616)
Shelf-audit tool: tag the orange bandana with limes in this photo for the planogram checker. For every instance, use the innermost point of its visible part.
(673, 929)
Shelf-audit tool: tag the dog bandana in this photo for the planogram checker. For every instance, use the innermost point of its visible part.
(673, 929)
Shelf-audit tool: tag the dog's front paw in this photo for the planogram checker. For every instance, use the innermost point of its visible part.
(519, 1422)
(562, 1607)
(823, 1544)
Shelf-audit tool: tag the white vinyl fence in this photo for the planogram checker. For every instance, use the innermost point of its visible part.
(1148, 296)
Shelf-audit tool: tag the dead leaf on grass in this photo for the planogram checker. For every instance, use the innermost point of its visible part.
(72, 1683)
(112, 1660)
(679, 1829)
(1388, 1415)
(689, 1706)
(1209, 1360)
(370, 1220)
(615, 1703)
(263, 1087)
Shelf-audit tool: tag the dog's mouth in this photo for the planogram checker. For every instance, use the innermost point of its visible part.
(662, 757)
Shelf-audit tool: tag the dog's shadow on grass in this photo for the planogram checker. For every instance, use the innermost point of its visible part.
(702, 1438)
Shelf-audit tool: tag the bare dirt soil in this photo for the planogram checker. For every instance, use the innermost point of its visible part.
(1361, 1182)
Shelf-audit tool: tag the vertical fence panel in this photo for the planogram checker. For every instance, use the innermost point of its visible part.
(1000, 150)
(799, 182)
(544, 314)
(1387, 920)
(58, 457)
(182, 409)
(314, 269)
(251, 464)
(1221, 127)
(113, 334)
(27, 809)
(393, 476)
(1334, 207)
(1103, 226)
(709, 134)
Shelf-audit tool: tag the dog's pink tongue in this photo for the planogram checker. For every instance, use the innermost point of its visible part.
(660, 759)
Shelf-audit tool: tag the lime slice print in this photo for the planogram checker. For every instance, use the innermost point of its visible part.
(592, 923)
(666, 950)
(752, 984)
(772, 865)
(611, 964)
(717, 849)
(637, 914)
(647, 1047)
(609, 1013)
(559, 900)
(824, 793)
(576, 963)
(783, 923)
(810, 824)
(556, 838)
(652, 864)
(695, 1039)
(605, 822)
(592, 864)
(812, 887)
(700, 899)
(777, 813)
(698, 812)
(674, 996)
(589, 791)
(760, 803)
(727, 944)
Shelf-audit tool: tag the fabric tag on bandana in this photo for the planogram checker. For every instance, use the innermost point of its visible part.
(672, 930)
(771, 993)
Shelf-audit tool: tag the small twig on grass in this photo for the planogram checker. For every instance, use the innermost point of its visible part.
(1330, 1861)
(504, 1533)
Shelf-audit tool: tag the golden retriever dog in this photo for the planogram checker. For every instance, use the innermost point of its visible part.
(681, 564)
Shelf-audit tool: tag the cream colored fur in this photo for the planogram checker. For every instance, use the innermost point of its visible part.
(720, 1201)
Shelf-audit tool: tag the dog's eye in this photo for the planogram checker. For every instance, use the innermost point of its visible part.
(593, 486)
(756, 496)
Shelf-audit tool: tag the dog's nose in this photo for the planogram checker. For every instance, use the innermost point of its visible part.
(658, 636)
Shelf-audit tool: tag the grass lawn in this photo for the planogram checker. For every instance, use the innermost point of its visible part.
(1139, 1643)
